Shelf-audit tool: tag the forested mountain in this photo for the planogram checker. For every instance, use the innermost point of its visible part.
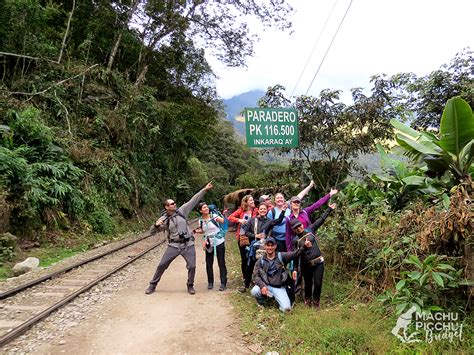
(235, 105)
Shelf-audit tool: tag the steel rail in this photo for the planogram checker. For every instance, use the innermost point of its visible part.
(15, 332)
(13, 291)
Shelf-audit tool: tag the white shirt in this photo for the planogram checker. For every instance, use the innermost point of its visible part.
(210, 230)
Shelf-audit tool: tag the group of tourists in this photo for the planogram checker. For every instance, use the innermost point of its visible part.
(278, 247)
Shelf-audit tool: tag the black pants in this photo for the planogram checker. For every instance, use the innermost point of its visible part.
(220, 253)
(247, 268)
(281, 246)
(188, 253)
(313, 280)
(243, 259)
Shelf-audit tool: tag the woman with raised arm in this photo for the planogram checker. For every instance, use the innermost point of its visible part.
(303, 214)
(240, 216)
(279, 230)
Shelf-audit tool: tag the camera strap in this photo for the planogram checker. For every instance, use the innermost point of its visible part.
(173, 217)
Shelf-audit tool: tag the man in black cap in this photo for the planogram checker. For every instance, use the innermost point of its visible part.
(312, 261)
(271, 275)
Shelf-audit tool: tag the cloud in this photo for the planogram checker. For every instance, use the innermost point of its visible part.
(376, 37)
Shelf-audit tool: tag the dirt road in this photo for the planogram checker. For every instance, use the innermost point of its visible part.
(168, 321)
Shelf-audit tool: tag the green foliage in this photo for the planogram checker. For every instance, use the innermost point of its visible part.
(31, 28)
(357, 194)
(402, 181)
(424, 286)
(367, 236)
(453, 150)
(36, 172)
(425, 97)
(8, 244)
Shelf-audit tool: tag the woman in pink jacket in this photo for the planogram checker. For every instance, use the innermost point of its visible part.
(303, 214)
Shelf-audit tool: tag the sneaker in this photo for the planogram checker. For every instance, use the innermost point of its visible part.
(308, 302)
(222, 287)
(210, 285)
(316, 304)
(242, 289)
(150, 290)
(191, 290)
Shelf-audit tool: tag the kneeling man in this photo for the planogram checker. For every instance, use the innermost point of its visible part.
(271, 276)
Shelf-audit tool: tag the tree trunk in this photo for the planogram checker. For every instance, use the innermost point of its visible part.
(63, 45)
(141, 76)
(116, 45)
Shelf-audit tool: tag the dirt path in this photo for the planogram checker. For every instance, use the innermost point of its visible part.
(169, 321)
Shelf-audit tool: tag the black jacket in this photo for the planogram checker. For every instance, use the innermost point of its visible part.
(308, 254)
(298, 241)
(262, 276)
(264, 225)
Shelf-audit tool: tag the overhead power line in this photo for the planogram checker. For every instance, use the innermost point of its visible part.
(314, 47)
(330, 44)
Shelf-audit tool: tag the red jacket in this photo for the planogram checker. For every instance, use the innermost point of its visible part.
(239, 214)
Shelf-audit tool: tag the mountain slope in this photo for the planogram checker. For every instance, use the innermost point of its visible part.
(235, 105)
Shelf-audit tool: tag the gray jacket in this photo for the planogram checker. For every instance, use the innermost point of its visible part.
(178, 222)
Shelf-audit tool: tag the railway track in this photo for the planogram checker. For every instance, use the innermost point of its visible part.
(25, 305)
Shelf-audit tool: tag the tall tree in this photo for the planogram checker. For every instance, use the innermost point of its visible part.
(426, 96)
(219, 25)
(332, 133)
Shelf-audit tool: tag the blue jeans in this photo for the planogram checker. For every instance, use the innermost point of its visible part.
(278, 292)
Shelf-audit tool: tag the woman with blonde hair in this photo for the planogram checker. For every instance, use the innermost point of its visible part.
(240, 216)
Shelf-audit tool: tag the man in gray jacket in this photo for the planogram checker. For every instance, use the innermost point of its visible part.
(180, 239)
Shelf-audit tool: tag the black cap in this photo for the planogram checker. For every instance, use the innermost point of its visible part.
(295, 223)
(270, 240)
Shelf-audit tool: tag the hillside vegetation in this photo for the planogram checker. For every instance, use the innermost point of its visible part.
(100, 121)
(107, 107)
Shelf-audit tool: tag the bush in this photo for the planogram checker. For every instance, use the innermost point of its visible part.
(7, 247)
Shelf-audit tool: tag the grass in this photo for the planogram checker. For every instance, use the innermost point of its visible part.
(59, 246)
(349, 321)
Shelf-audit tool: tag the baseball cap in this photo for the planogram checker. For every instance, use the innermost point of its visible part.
(270, 240)
(295, 198)
(263, 198)
(295, 223)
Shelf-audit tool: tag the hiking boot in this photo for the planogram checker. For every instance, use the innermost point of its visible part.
(307, 302)
(150, 290)
(210, 285)
(261, 301)
(191, 290)
(242, 289)
(316, 304)
(222, 287)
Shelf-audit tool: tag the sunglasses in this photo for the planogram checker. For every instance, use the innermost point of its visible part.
(171, 204)
(297, 202)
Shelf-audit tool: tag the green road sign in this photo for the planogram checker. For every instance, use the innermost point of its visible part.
(271, 127)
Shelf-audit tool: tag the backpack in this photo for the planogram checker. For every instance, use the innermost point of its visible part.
(223, 227)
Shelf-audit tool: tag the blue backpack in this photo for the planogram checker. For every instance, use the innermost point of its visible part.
(223, 227)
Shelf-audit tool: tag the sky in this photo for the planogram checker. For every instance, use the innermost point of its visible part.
(377, 36)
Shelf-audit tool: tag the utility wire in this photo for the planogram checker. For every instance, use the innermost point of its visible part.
(330, 44)
(314, 47)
